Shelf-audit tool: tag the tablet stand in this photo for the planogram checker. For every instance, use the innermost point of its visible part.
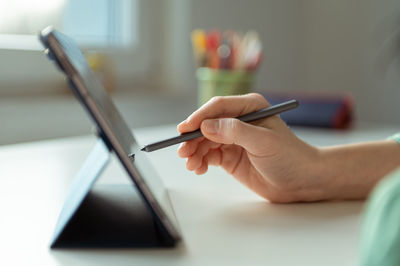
(104, 215)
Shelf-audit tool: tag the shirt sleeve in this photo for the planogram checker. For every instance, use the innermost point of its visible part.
(395, 137)
(380, 234)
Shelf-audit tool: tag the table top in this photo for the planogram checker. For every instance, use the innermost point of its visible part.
(222, 222)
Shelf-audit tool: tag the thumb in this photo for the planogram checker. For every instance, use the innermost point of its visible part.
(234, 131)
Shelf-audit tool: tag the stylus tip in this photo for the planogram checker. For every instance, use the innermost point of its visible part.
(144, 149)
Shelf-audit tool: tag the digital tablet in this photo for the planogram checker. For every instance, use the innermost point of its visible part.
(112, 128)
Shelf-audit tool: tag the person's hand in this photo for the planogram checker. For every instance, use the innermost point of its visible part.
(264, 155)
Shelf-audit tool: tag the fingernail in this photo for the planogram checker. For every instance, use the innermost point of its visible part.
(211, 126)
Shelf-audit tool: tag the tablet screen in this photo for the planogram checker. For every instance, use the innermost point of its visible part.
(92, 94)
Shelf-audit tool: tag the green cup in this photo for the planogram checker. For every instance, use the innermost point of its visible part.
(217, 82)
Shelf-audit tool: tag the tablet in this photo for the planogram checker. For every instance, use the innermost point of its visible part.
(112, 128)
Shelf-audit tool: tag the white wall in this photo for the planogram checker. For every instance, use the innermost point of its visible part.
(348, 47)
(314, 45)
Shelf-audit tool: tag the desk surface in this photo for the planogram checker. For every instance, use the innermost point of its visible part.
(221, 221)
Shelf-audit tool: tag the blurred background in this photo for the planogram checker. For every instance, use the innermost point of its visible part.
(141, 50)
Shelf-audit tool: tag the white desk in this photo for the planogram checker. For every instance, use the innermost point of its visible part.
(222, 222)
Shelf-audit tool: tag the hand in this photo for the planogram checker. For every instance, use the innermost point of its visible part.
(265, 155)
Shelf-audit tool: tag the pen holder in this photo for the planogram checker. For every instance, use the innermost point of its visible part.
(220, 82)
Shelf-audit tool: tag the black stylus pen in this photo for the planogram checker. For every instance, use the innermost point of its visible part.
(263, 113)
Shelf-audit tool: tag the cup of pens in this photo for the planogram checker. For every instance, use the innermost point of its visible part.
(226, 62)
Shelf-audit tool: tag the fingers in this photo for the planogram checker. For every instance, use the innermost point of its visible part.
(200, 161)
(206, 151)
(187, 148)
(229, 106)
(233, 131)
(202, 169)
(226, 156)
(213, 157)
(195, 158)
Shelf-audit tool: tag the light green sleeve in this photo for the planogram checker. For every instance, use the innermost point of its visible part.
(380, 233)
(395, 137)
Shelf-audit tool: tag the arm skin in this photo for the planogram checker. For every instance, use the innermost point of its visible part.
(354, 169)
(270, 160)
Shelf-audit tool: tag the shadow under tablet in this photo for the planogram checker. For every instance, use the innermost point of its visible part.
(111, 216)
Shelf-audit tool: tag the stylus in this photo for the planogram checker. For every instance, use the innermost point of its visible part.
(263, 113)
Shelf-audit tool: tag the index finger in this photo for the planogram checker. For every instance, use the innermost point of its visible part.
(227, 106)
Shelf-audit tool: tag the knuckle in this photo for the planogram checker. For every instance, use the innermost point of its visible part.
(217, 100)
(255, 95)
(259, 98)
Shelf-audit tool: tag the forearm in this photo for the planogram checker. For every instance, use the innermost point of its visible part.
(351, 171)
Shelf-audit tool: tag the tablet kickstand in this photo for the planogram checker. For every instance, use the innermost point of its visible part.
(98, 216)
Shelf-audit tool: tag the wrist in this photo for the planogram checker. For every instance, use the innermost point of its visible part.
(321, 184)
(351, 171)
(332, 178)
(338, 171)
(323, 178)
(312, 183)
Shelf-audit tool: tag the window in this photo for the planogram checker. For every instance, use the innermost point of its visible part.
(94, 24)
(105, 24)
(130, 37)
